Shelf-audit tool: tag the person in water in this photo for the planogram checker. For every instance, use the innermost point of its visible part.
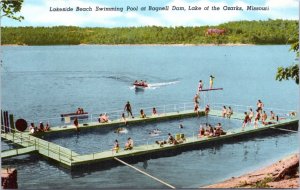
(116, 146)
(211, 81)
(180, 126)
(200, 86)
(128, 109)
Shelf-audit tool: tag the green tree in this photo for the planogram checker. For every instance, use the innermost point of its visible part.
(291, 72)
(9, 8)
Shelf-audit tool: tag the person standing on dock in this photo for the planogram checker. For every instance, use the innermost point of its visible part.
(200, 86)
(211, 81)
(246, 120)
(116, 146)
(128, 109)
(76, 124)
(260, 105)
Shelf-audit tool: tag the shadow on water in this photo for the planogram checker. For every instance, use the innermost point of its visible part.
(212, 146)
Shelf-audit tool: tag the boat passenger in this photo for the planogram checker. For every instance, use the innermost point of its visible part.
(264, 116)
(272, 117)
(200, 86)
(246, 120)
(224, 111)
(128, 109)
(229, 112)
(211, 81)
(41, 127)
(142, 114)
(251, 114)
(129, 144)
(154, 112)
(207, 109)
(116, 146)
(260, 105)
(76, 124)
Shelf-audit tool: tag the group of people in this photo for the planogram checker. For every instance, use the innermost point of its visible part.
(259, 116)
(128, 145)
(141, 82)
(80, 111)
(180, 138)
(227, 112)
(210, 131)
(211, 82)
(33, 129)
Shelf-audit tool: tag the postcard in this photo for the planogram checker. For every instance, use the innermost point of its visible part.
(149, 94)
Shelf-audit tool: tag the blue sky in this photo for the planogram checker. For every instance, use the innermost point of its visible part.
(36, 13)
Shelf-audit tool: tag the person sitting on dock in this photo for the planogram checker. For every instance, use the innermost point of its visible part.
(154, 112)
(201, 132)
(224, 111)
(129, 144)
(161, 143)
(123, 118)
(229, 112)
(142, 114)
(81, 111)
(207, 109)
(272, 115)
(76, 124)
(32, 128)
(116, 147)
(128, 109)
(171, 139)
(251, 114)
(264, 116)
(41, 127)
(47, 128)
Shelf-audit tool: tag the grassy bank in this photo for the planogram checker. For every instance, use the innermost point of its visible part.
(241, 32)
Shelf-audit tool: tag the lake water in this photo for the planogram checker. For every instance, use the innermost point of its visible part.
(42, 82)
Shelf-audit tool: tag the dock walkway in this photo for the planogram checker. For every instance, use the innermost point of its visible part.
(69, 158)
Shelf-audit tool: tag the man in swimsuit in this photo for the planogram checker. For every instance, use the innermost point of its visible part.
(128, 109)
(246, 120)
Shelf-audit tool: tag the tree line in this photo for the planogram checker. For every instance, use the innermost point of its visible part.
(244, 32)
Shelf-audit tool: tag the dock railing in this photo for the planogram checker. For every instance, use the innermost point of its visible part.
(161, 110)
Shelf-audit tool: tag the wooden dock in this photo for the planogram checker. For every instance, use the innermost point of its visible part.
(70, 159)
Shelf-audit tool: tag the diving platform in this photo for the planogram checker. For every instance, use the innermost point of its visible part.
(70, 159)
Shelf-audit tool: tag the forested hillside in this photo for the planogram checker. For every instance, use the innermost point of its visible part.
(245, 32)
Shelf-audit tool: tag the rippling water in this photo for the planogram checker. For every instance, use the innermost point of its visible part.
(42, 82)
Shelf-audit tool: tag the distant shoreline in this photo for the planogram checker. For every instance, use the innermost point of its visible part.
(144, 45)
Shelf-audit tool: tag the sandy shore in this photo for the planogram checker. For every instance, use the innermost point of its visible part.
(282, 174)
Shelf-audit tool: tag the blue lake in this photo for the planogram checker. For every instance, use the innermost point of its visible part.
(42, 82)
